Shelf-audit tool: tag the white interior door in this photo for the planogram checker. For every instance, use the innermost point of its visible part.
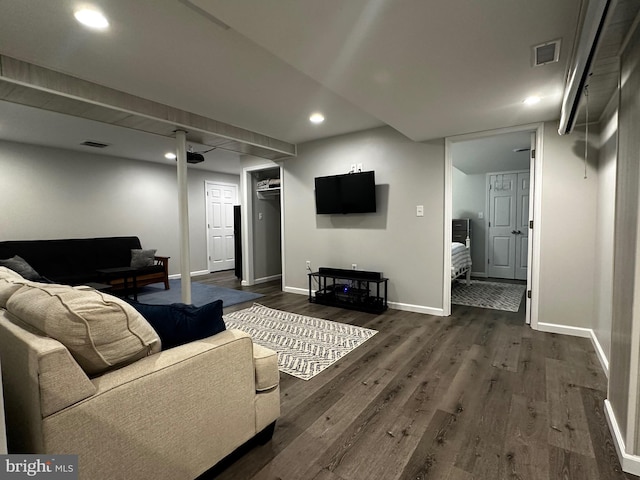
(220, 201)
(522, 226)
(502, 225)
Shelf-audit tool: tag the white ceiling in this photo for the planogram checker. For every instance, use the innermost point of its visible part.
(427, 68)
(20, 123)
(492, 154)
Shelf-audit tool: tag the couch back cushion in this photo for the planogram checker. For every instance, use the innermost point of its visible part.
(10, 283)
(101, 331)
(68, 259)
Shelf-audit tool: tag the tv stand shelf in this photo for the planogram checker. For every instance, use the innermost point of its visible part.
(352, 289)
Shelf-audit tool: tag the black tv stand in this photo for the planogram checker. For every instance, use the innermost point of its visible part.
(352, 289)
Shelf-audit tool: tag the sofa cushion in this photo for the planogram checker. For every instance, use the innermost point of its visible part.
(10, 283)
(20, 266)
(177, 324)
(100, 330)
(142, 258)
(265, 362)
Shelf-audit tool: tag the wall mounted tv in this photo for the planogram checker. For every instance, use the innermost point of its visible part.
(348, 193)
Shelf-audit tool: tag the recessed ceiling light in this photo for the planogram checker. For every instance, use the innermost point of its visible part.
(531, 100)
(170, 156)
(91, 18)
(316, 118)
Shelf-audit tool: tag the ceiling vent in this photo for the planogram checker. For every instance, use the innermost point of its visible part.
(89, 143)
(546, 53)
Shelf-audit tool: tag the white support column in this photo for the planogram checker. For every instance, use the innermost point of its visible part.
(183, 216)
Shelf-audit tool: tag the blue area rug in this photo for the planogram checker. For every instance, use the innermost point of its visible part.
(201, 294)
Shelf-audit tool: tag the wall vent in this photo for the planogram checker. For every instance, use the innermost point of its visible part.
(546, 53)
(89, 143)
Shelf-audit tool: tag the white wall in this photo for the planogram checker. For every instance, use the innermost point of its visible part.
(468, 199)
(567, 249)
(407, 249)
(53, 193)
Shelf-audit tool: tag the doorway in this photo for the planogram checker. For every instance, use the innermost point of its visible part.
(478, 209)
(221, 197)
(262, 224)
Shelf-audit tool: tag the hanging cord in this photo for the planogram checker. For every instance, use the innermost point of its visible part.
(586, 131)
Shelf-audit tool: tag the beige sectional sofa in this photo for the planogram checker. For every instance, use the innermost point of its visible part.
(147, 413)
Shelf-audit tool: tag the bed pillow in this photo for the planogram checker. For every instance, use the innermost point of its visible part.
(142, 258)
(100, 331)
(22, 267)
(177, 324)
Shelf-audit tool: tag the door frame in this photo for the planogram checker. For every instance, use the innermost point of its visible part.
(208, 214)
(488, 206)
(534, 235)
(246, 212)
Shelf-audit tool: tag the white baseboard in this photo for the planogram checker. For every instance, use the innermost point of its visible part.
(193, 274)
(267, 279)
(394, 305)
(564, 330)
(579, 332)
(629, 463)
(604, 361)
(296, 290)
(407, 307)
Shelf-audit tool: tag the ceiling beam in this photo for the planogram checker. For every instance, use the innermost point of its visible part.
(28, 84)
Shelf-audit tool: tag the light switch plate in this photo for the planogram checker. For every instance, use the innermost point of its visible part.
(420, 211)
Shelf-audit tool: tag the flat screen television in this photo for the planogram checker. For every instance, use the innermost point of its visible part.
(348, 193)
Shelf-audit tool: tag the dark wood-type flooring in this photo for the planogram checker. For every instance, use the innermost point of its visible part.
(477, 395)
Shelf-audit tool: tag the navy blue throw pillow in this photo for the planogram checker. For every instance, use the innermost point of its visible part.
(177, 324)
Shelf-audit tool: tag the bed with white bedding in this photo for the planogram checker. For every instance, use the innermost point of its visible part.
(461, 252)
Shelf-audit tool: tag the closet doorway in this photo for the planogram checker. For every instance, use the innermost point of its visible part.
(261, 222)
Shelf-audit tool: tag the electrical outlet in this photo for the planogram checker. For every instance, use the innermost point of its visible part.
(353, 168)
(359, 167)
(354, 266)
(309, 265)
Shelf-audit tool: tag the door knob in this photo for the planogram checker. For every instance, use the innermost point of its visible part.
(514, 232)
(519, 232)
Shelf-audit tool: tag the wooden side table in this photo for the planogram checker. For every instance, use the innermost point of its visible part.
(125, 273)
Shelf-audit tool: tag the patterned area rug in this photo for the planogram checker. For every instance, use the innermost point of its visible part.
(497, 296)
(305, 345)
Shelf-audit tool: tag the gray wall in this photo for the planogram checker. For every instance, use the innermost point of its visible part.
(567, 245)
(53, 193)
(406, 248)
(624, 361)
(468, 199)
(605, 227)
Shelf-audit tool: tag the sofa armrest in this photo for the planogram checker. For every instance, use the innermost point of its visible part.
(164, 261)
(40, 378)
(176, 412)
(266, 364)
